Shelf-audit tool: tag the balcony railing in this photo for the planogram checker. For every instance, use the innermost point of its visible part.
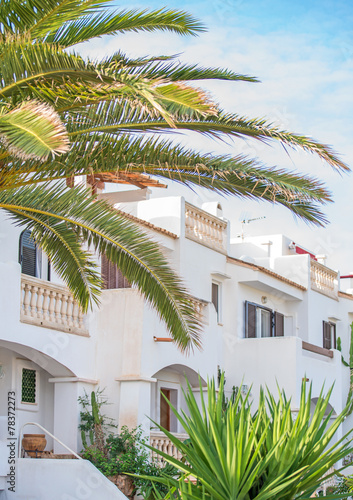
(51, 306)
(205, 228)
(162, 443)
(324, 280)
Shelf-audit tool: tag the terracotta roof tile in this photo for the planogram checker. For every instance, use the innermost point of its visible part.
(149, 225)
(255, 267)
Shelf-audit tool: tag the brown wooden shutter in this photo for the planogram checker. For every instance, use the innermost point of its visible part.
(112, 276)
(279, 324)
(326, 327)
(106, 273)
(250, 320)
(333, 326)
(121, 281)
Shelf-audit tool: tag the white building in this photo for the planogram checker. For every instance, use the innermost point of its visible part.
(272, 314)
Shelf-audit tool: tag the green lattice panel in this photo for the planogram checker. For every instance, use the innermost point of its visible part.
(28, 394)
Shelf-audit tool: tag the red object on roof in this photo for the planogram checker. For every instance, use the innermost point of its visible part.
(301, 251)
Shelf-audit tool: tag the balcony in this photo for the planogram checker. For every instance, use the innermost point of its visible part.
(324, 280)
(287, 362)
(162, 443)
(205, 228)
(51, 306)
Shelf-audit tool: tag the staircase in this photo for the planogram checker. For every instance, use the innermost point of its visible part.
(68, 477)
(61, 479)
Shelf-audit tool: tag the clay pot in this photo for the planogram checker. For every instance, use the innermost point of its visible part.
(34, 444)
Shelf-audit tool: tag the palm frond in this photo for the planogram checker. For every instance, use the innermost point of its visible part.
(60, 216)
(112, 23)
(20, 16)
(165, 67)
(228, 176)
(33, 130)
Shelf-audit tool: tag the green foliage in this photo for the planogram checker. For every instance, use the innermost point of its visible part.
(351, 348)
(91, 417)
(121, 453)
(108, 109)
(339, 348)
(341, 487)
(239, 454)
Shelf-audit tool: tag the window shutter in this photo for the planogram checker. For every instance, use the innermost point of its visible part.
(215, 296)
(28, 254)
(333, 326)
(122, 282)
(105, 270)
(326, 335)
(279, 324)
(112, 276)
(250, 318)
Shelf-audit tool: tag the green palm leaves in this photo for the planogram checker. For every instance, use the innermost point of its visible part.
(236, 454)
(33, 130)
(112, 113)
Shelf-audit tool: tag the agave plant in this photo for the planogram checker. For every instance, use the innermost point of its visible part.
(236, 453)
(107, 107)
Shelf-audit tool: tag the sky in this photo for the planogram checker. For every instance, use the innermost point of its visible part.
(303, 54)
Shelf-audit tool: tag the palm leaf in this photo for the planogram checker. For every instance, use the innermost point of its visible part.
(33, 130)
(64, 219)
(111, 23)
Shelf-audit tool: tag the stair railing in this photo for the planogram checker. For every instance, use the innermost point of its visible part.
(49, 434)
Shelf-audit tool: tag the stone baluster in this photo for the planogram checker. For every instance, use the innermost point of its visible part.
(80, 317)
(75, 314)
(57, 308)
(26, 298)
(69, 310)
(63, 310)
(33, 301)
(39, 303)
(45, 305)
(188, 225)
(51, 308)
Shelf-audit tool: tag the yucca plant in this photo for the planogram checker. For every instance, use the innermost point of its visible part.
(107, 107)
(237, 453)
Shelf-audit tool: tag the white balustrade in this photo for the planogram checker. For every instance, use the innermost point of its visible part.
(323, 279)
(162, 443)
(205, 228)
(52, 306)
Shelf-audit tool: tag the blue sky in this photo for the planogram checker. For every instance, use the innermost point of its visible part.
(303, 54)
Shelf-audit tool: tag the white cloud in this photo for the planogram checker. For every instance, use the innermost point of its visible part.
(306, 88)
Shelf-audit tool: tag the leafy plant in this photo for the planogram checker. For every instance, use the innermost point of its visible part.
(93, 422)
(121, 453)
(241, 454)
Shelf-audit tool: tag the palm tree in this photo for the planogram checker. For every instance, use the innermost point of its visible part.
(114, 111)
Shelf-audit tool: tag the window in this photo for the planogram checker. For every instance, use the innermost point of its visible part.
(216, 299)
(112, 276)
(29, 386)
(262, 322)
(30, 257)
(329, 335)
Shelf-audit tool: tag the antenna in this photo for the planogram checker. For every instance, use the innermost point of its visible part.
(247, 221)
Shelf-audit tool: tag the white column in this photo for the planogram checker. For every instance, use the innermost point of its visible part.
(135, 402)
(67, 411)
